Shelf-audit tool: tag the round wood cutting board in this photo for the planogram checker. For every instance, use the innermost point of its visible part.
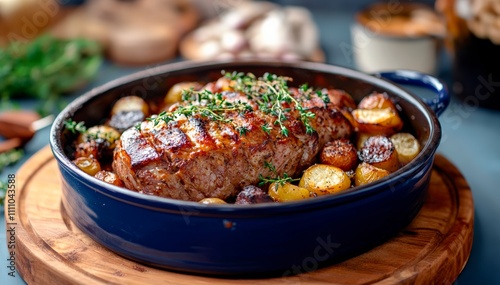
(434, 248)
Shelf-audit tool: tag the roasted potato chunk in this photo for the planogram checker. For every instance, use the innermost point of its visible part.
(92, 148)
(341, 99)
(376, 101)
(252, 195)
(109, 177)
(130, 103)
(210, 201)
(324, 179)
(174, 94)
(122, 121)
(366, 173)
(100, 133)
(377, 121)
(407, 147)
(361, 139)
(379, 151)
(287, 192)
(340, 153)
(89, 165)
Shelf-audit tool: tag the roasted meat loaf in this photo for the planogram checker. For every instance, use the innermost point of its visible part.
(224, 137)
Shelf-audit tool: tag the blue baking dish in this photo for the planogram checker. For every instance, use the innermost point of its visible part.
(277, 238)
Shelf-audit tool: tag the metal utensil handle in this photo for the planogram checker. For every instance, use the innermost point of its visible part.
(439, 103)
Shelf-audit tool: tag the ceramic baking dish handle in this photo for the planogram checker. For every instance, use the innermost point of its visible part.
(438, 103)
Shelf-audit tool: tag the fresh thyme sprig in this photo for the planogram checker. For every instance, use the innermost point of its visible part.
(75, 127)
(277, 179)
(207, 104)
(271, 94)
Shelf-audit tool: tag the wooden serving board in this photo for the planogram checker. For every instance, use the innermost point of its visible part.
(434, 248)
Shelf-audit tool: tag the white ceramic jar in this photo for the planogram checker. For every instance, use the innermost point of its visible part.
(389, 36)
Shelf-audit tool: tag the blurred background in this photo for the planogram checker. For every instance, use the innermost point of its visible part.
(52, 51)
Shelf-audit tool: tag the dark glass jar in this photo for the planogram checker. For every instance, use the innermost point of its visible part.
(474, 39)
(476, 72)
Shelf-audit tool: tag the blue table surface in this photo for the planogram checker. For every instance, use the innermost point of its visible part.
(470, 141)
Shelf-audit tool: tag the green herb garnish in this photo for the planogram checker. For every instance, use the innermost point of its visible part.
(272, 96)
(207, 104)
(75, 127)
(270, 93)
(277, 179)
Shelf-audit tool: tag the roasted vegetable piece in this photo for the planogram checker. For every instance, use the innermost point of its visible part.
(130, 103)
(127, 112)
(287, 192)
(174, 94)
(88, 164)
(341, 99)
(361, 139)
(208, 201)
(324, 179)
(340, 153)
(407, 147)
(122, 121)
(100, 133)
(377, 121)
(109, 177)
(379, 151)
(92, 148)
(252, 195)
(376, 101)
(366, 173)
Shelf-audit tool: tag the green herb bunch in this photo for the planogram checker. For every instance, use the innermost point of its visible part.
(47, 68)
(10, 157)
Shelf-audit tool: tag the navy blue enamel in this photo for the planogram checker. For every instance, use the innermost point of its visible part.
(247, 239)
(438, 103)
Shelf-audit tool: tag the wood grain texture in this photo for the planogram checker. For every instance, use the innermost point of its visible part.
(433, 249)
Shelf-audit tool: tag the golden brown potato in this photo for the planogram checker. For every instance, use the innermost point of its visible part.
(376, 101)
(109, 177)
(324, 179)
(377, 121)
(87, 149)
(174, 94)
(379, 151)
(209, 201)
(366, 173)
(407, 147)
(287, 192)
(88, 164)
(130, 103)
(340, 153)
(348, 115)
(361, 138)
(106, 133)
(341, 99)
